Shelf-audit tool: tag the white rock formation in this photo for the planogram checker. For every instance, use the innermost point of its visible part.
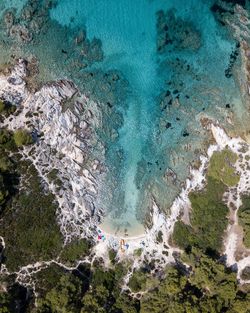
(64, 140)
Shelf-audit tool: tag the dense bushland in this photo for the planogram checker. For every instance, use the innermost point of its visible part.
(244, 219)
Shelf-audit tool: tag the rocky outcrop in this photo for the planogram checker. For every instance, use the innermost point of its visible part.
(12, 87)
(63, 122)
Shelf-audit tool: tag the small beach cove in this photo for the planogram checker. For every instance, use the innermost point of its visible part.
(143, 150)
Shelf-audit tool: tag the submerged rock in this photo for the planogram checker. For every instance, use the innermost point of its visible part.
(176, 33)
(9, 19)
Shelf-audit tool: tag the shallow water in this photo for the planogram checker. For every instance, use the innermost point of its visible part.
(155, 135)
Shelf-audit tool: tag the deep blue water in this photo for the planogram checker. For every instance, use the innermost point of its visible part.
(154, 136)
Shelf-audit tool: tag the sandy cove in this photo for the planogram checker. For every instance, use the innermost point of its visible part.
(83, 221)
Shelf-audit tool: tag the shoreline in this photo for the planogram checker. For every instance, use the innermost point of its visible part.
(181, 205)
(154, 242)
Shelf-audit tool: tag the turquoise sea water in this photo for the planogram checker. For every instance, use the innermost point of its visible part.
(167, 92)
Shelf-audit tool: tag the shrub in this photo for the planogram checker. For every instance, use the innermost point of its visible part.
(5, 162)
(6, 108)
(22, 137)
(52, 175)
(6, 140)
(112, 255)
(244, 219)
(182, 235)
(246, 273)
(3, 191)
(221, 167)
(138, 252)
(75, 250)
(138, 281)
(2, 106)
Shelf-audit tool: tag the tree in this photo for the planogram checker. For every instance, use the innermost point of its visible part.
(64, 297)
(96, 301)
(244, 219)
(126, 304)
(137, 281)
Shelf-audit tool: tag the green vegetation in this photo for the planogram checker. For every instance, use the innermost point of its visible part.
(208, 288)
(138, 252)
(82, 291)
(209, 214)
(7, 140)
(138, 281)
(2, 106)
(28, 212)
(5, 162)
(53, 177)
(6, 175)
(11, 141)
(105, 294)
(75, 250)
(159, 236)
(48, 278)
(22, 138)
(221, 167)
(112, 256)
(32, 214)
(6, 108)
(3, 191)
(14, 298)
(244, 219)
(53, 174)
(208, 219)
(4, 302)
(63, 297)
(26, 207)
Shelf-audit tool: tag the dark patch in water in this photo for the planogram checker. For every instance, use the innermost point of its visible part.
(234, 2)
(175, 32)
(168, 125)
(232, 60)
